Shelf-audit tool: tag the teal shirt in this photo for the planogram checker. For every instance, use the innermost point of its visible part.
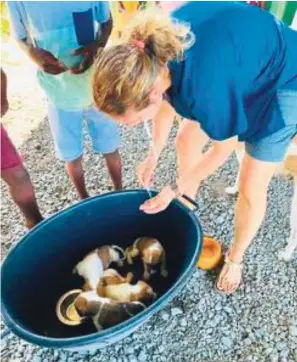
(61, 27)
(229, 79)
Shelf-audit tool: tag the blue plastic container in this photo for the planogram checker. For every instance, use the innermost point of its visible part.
(38, 270)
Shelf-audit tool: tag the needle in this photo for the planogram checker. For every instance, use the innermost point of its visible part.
(152, 145)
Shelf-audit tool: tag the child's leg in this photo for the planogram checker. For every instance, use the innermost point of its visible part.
(106, 139)
(17, 178)
(114, 165)
(22, 192)
(75, 172)
(67, 132)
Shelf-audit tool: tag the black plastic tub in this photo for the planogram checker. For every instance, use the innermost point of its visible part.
(38, 270)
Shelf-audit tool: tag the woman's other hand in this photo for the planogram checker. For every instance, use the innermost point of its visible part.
(160, 202)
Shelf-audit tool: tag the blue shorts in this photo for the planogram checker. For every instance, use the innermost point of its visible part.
(273, 148)
(67, 131)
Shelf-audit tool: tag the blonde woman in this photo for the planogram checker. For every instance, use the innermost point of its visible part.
(230, 67)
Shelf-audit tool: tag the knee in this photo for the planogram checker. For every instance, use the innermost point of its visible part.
(75, 164)
(22, 190)
(252, 196)
(181, 140)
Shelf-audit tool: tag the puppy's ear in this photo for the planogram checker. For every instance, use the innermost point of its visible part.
(86, 308)
(101, 288)
(81, 305)
(129, 277)
(156, 256)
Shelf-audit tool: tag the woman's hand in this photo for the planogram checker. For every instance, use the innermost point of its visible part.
(145, 171)
(160, 202)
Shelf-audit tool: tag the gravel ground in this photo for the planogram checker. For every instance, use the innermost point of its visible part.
(258, 323)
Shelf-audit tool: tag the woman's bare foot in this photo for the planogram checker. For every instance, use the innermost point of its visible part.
(230, 277)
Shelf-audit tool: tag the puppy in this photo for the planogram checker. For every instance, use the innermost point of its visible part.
(92, 266)
(105, 312)
(126, 292)
(151, 252)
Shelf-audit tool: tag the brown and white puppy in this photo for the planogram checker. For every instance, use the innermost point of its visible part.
(111, 277)
(92, 267)
(126, 292)
(105, 312)
(151, 252)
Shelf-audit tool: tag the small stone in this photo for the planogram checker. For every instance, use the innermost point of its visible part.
(274, 358)
(183, 323)
(247, 342)
(227, 342)
(165, 316)
(142, 356)
(268, 351)
(161, 349)
(285, 353)
(293, 331)
(176, 311)
(281, 346)
(220, 220)
(195, 317)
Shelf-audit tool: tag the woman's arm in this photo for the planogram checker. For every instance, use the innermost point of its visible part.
(162, 124)
(211, 160)
(161, 127)
(215, 157)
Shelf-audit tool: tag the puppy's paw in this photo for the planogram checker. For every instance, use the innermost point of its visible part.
(146, 275)
(164, 273)
(129, 277)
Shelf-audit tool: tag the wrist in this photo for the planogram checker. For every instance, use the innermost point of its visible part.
(176, 190)
(154, 154)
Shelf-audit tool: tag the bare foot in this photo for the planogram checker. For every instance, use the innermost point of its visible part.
(230, 277)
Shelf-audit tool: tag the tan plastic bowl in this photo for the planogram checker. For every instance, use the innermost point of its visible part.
(211, 254)
(65, 309)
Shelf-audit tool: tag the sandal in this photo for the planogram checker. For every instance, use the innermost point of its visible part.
(229, 266)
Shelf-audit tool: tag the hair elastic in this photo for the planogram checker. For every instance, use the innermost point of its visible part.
(138, 43)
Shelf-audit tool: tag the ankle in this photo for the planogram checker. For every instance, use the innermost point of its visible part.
(236, 258)
(83, 196)
(29, 224)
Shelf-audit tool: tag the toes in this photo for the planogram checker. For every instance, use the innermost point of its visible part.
(228, 280)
